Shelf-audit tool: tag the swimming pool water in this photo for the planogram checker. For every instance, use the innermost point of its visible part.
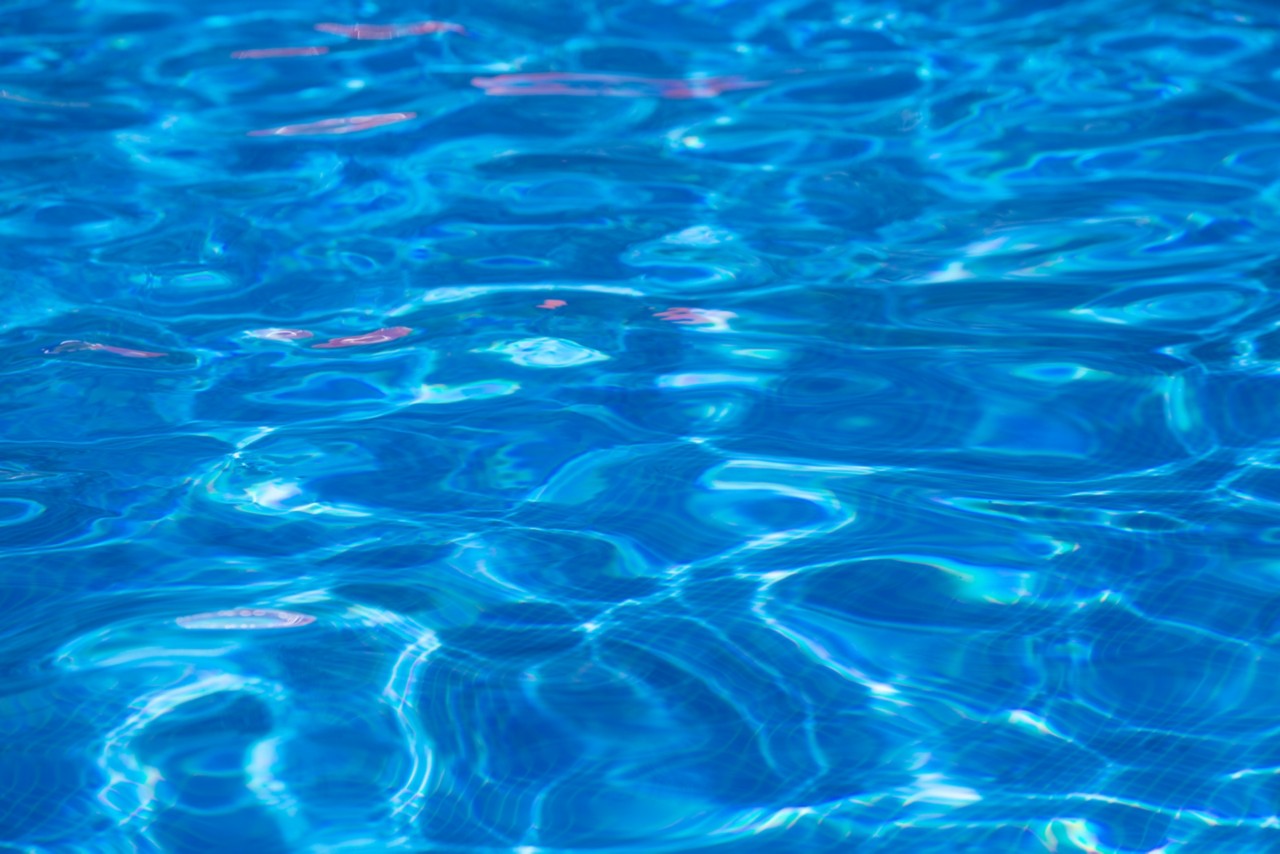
(645, 425)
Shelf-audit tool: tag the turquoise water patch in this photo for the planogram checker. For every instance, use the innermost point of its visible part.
(547, 353)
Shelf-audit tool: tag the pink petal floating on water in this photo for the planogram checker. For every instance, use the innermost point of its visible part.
(275, 52)
(382, 32)
(610, 85)
(552, 304)
(378, 336)
(353, 124)
(73, 346)
(281, 334)
(246, 618)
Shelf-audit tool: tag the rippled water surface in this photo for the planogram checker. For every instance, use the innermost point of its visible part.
(652, 425)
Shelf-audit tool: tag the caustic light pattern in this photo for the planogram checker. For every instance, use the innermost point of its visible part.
(685, 426)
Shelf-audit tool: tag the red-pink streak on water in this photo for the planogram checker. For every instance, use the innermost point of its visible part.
(552, 304)
(74, 346)
(382, 32)
(681, 314)
(378, 336)
(276, 52)
(354, 124)
(610, 85)
(281, 334)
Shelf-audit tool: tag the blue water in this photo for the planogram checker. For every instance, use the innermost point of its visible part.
(682, 425)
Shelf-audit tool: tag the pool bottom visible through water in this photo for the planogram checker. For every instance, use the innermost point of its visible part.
(660, 427)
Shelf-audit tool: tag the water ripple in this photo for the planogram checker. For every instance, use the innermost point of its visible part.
(682, 426)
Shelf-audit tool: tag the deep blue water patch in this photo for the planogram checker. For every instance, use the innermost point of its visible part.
(652, 426)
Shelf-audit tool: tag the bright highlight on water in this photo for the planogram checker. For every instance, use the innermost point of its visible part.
(246, 618)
